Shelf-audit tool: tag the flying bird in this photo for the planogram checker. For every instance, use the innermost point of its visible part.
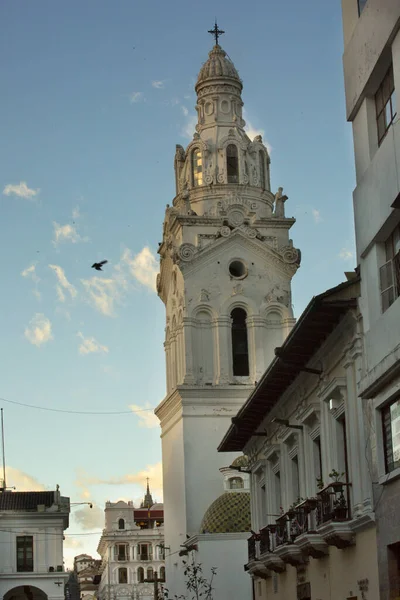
(98, 265)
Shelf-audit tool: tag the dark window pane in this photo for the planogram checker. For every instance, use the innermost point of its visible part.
(386, 276)
(232, 163)
(240, 353)
(379, 101)
(394, 105)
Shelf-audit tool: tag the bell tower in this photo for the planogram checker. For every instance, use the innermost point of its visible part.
(225, 279)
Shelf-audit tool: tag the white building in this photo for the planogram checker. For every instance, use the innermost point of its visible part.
(225, 279)
(132, 550)
(371, 63)
(32, 525)
(87, 570)
(303, 429)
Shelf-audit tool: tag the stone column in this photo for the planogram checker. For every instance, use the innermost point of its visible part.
(224, 350)
(256, 340)
(188, 374)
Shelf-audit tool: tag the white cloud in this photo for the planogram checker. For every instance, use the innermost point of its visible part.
(346, 254)
(66, 233)
(103, 294)
(90, 345)
(89, 518)
(136, 97)
(158, 84)
(21, 190)
(189, 127)
(185, 110)
(30, 273)
(76, 213)
(146, 418)
(106, 293)
(39, 330)
(143, 266)
(252, 131)
(316, 215)
(22, 481)
(153, 472)
(63, 284)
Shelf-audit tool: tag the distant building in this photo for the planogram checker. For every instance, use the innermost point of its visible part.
(371, 63)
(132, 550)
(32, 525)
(87, 571)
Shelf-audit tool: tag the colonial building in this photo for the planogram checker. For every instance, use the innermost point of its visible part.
(371, 63)
(87, 570)
(132, 550)
(225, 279)
(32, 525)
(304, 431)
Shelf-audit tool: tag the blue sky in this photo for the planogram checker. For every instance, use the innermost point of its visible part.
(95, 95)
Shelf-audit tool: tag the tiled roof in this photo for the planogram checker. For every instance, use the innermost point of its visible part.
(25, 500)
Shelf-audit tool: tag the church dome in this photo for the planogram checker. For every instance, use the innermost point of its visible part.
(230, 513)
(218, 66)
(241, 461)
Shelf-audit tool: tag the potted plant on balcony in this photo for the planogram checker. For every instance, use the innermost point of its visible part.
(340, 508)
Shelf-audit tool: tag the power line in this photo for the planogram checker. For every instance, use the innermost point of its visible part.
(78, 412)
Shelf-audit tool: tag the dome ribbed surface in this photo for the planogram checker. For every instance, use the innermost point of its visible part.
(217, 66)
(230, 513)
(241, 461)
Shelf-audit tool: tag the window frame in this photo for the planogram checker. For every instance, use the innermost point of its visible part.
(27, 564)
(387, 433)
(389, 272)
(385, 101)
(232, 164)
(197, 167)
(233, 481)
(119, 524)
(120, 571)
(239, 333)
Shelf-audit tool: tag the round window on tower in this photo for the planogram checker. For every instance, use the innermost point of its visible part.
(237, 269)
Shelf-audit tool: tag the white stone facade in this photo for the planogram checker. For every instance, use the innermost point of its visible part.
(305, 524)
(31, 542)
(372, 67)
(130, 553)
(226, 266)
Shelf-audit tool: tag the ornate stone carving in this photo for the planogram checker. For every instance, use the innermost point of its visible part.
(225, 231)
(204, 296)
(237, 289)
(186, 252)
(278, 295)
(290, 254)
(235, 217)
(280, 200)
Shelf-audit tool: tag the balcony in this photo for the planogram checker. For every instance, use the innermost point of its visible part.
(307, 539)
(122, 557)
(145, 557)
(254, 566)
(286, 531)
(269, 559)
(334, 515)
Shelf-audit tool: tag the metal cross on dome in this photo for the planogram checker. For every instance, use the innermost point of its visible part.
(216, 32)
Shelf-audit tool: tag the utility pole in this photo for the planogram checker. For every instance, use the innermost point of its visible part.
(156, 586)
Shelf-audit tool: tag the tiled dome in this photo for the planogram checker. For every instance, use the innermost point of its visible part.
(241, 461)
(218, 66)
(230, 513)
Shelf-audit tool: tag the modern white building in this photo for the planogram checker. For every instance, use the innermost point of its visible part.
(371, 64)
(303, 430)
(32, 525)
(225, 279)
(132, 550)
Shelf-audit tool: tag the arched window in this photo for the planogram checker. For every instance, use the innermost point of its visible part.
(162, 573)
(140, 575)
(197, 168)
(150, 573)
(232, 163)
(122, 575)
(121, 524)
(236, 483)
(261, 156)
(240, 351)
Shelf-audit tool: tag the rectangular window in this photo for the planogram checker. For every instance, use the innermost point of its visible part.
(24, 553)
(361, 4)
(389, 273)
(391, 435)
(317, 460)
(385, 104)
(278, 496)
(144, 552)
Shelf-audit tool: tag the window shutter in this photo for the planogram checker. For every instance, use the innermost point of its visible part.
(387, 436)
(115, 552)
